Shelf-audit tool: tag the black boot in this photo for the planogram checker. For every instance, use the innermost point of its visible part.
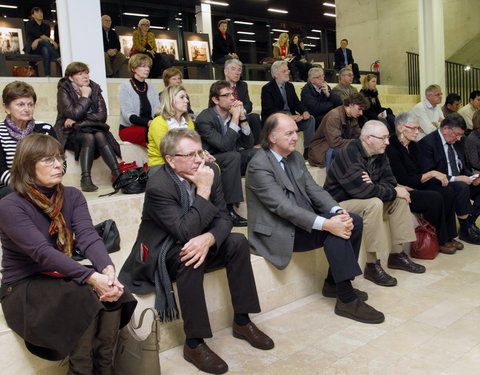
(110, 159)
(80, 361)
(104, 342)
(86, 161)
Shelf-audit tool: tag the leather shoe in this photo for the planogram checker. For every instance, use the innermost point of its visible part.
(458, 245)
(376, 274)
(469, 236)
(359, 311)
(253, 335)
(237, 220)
(205, 359)
(448, 248)
(330, 291)
(401, 261)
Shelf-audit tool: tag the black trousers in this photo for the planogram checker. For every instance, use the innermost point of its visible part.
(463, 194)
(342, 255)
(234, 255)
(255, 125)
(231, 168)
(438, 207)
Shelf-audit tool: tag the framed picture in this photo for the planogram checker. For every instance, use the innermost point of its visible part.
(168, 46)
(198, 50)
(11, 40)
(126, 43)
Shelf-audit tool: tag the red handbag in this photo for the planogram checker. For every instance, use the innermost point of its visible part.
(426, 245)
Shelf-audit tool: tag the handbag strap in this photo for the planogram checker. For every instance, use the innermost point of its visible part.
(425, 226)
(155, 324)
(107, 228)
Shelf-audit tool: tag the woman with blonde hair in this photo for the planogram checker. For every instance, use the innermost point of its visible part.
(281, 48)
(173, 113)
(376, 111)
(139, 102)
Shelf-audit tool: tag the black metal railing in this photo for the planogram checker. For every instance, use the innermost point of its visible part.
(459, 78)
(413, 73)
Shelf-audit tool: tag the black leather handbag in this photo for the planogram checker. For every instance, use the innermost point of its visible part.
(132, 181)
(110, 235)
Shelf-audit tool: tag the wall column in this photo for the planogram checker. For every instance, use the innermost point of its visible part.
(80, 31)
(203, 15)
(431, 44)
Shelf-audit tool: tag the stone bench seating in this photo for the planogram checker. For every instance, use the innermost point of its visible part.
(304, 276)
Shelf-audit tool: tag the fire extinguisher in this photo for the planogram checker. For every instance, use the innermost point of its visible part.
(375, 66)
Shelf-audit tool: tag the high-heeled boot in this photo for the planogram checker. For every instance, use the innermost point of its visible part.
(80, 360)
(110, 159)
(104, 342)
(86, 162)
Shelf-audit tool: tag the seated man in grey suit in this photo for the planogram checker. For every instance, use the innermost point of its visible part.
(233, 72)
(226, 134)
(288, 211)
(186, 232)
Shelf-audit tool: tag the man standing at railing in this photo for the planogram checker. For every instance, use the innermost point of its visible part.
(428, 111)
(469, 109)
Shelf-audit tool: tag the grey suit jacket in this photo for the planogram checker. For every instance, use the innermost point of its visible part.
(273, 212)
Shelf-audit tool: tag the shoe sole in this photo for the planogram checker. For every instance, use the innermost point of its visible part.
(403, 269)
(188, 359)
(241, 337)
(353, 317)
(381, 284)
(469, 241)
(334, 295)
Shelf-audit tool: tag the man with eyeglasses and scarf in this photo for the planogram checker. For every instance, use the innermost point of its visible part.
(361, 180)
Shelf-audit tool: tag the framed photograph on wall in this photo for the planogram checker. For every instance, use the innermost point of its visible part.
(126, 43)
(11, 40)
(168, 46)
(198, 50)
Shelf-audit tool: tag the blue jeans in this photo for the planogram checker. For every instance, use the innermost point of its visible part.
(329, 156)
(48, 52)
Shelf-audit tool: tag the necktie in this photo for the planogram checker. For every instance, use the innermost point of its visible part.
(284, 96)
(302, 201)
(453, 161)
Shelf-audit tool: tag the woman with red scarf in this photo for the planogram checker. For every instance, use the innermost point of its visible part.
(223, 44)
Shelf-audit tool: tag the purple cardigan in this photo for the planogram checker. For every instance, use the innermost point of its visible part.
(28, 248)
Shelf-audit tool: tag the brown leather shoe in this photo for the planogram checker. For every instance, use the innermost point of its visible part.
(253, 335)
(205, 359)
(359, 311)
(458, 245)
(401, 261)
(376, 274)
(330, 291)
(448, 248)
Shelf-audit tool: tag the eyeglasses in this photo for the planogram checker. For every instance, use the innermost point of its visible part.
(192, 155)
(50, 160)
(456, 134)
(227, 94)
(414, 128)
(383, 139)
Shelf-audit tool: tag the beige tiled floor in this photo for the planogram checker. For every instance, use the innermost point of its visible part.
(432, 327)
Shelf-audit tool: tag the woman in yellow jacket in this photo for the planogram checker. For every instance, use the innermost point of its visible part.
(173, 113)
(144, 42)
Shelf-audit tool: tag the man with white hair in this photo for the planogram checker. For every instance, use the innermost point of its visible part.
(428, 111)
(114, 59)
(361, 180)
(279, 95)
(233, 72)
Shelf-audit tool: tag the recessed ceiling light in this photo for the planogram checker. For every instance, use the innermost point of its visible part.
(135, 14)
(245, 32)
(329, 14)
(277, 10)
(243, 22)
(216, 3)
(280, 30)
(158, 27)
(246, 40)
(329, 5)
(316, 31)
(313, 37)
(8, 6)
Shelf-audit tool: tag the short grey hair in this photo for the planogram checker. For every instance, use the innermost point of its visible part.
(404, 118)
(430, 89)
(170, 141)
(312, 71)
(276, 66)
(232, 61)
(344, 70)
(370, 127)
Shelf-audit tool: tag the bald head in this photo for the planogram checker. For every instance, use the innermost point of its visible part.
(374, 137)
(106, 21)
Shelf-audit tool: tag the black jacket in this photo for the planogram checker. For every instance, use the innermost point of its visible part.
(317, 103)
(272, 100)
(222, 47)
(340, 59)
(112, 42)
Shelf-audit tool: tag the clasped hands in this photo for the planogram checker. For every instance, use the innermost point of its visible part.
(106, 285)
(340, 225)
